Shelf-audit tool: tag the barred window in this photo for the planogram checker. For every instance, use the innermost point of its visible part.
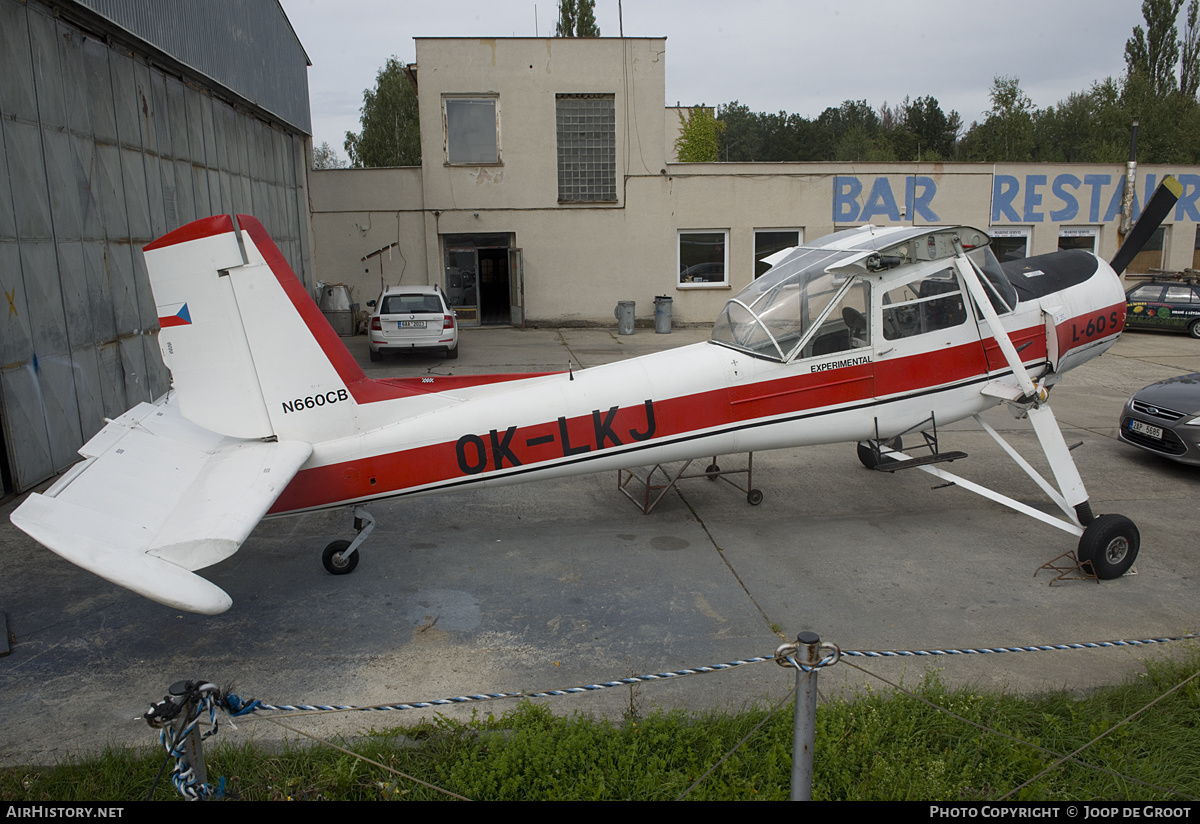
(587, 148)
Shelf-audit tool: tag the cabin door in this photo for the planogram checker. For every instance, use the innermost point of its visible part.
(926, 337)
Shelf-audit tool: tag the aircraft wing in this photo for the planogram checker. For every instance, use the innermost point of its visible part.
(158, 496)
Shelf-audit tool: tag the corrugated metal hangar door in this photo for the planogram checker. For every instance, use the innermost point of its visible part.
(101, 151)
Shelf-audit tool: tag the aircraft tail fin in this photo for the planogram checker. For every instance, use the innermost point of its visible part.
(250, 354)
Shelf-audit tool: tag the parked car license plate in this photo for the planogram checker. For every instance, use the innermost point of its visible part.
(412, 324)
(1146, 429)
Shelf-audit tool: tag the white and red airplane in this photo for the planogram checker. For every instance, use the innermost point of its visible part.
(861, 336)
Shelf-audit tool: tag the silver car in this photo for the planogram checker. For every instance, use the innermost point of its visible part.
(1164, 418)
(411, 319)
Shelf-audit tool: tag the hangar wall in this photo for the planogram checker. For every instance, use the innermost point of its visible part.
(105, 144)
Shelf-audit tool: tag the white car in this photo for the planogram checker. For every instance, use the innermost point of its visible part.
(412, 319)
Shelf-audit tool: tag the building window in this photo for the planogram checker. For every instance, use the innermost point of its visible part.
(1151, 256)
(1078, 238)
(587, 148)
(769, 241)
(472, 130)
(703, 259)
(1010, 244)
(1196, 250)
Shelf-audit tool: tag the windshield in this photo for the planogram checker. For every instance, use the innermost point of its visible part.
(770, 316)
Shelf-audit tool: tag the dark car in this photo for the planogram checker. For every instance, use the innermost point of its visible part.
(1172, 305)
(1164, 418)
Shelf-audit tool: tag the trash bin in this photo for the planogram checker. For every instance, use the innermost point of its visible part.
(334, 302)
(662, 315)
(624, 313)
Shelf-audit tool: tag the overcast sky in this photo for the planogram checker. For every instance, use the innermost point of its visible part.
(771, 55)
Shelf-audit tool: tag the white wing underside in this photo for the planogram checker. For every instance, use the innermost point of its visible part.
(158, 496)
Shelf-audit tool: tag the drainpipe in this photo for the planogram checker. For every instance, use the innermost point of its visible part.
(1130, 182)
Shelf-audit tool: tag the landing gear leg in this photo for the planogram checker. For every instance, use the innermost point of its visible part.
(1109, 542)
(341, 557)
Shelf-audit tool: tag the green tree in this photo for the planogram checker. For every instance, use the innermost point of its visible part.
(935, 131)
(585, 19)
(1154, 52)
(1007, 132)
(391, 128)
(1189, 63)
(576, 18)
(326, 157)
(852, 131)
(1087, 127)
(740, 136)
(700, 136)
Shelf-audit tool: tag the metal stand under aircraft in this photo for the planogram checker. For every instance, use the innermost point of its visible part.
(661, 480)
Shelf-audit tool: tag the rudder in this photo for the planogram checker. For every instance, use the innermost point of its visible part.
(250, 354)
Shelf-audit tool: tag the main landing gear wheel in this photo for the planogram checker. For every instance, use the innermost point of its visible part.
(713, 471)
(869, 458)
(754, 497)
(336, 561)
(1111, 543)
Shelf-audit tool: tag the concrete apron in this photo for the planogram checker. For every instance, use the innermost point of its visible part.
(556, 584)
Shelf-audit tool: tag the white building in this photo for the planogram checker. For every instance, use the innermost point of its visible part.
(548, 191)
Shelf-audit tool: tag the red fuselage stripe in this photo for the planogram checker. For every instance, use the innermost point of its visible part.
(475, 455)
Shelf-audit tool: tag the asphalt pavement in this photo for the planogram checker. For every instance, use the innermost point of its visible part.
(559, 583)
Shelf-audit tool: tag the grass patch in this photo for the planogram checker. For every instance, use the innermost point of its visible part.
(875, 746)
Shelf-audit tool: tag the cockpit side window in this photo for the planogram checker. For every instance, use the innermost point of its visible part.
(996, 284)
(847, 326)
(926, 304)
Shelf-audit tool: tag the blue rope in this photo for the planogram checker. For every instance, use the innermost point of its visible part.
(251, 706)
(237, 706)
(902, 653)
(183, 776)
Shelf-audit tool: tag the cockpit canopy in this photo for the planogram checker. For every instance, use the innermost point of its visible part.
(815, 299)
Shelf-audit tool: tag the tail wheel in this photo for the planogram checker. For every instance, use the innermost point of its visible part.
(1111, 543)
(336, 561)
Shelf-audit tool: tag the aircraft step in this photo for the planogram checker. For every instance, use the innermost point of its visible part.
(911, 463)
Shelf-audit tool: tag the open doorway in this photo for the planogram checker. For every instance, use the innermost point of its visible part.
(483, 279)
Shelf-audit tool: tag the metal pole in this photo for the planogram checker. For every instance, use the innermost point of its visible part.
(193, 754)
(804, 726)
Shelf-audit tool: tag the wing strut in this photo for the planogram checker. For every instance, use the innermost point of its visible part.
(1108, 543)
(1038, 409)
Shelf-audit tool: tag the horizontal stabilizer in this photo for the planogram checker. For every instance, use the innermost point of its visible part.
(158, 497)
